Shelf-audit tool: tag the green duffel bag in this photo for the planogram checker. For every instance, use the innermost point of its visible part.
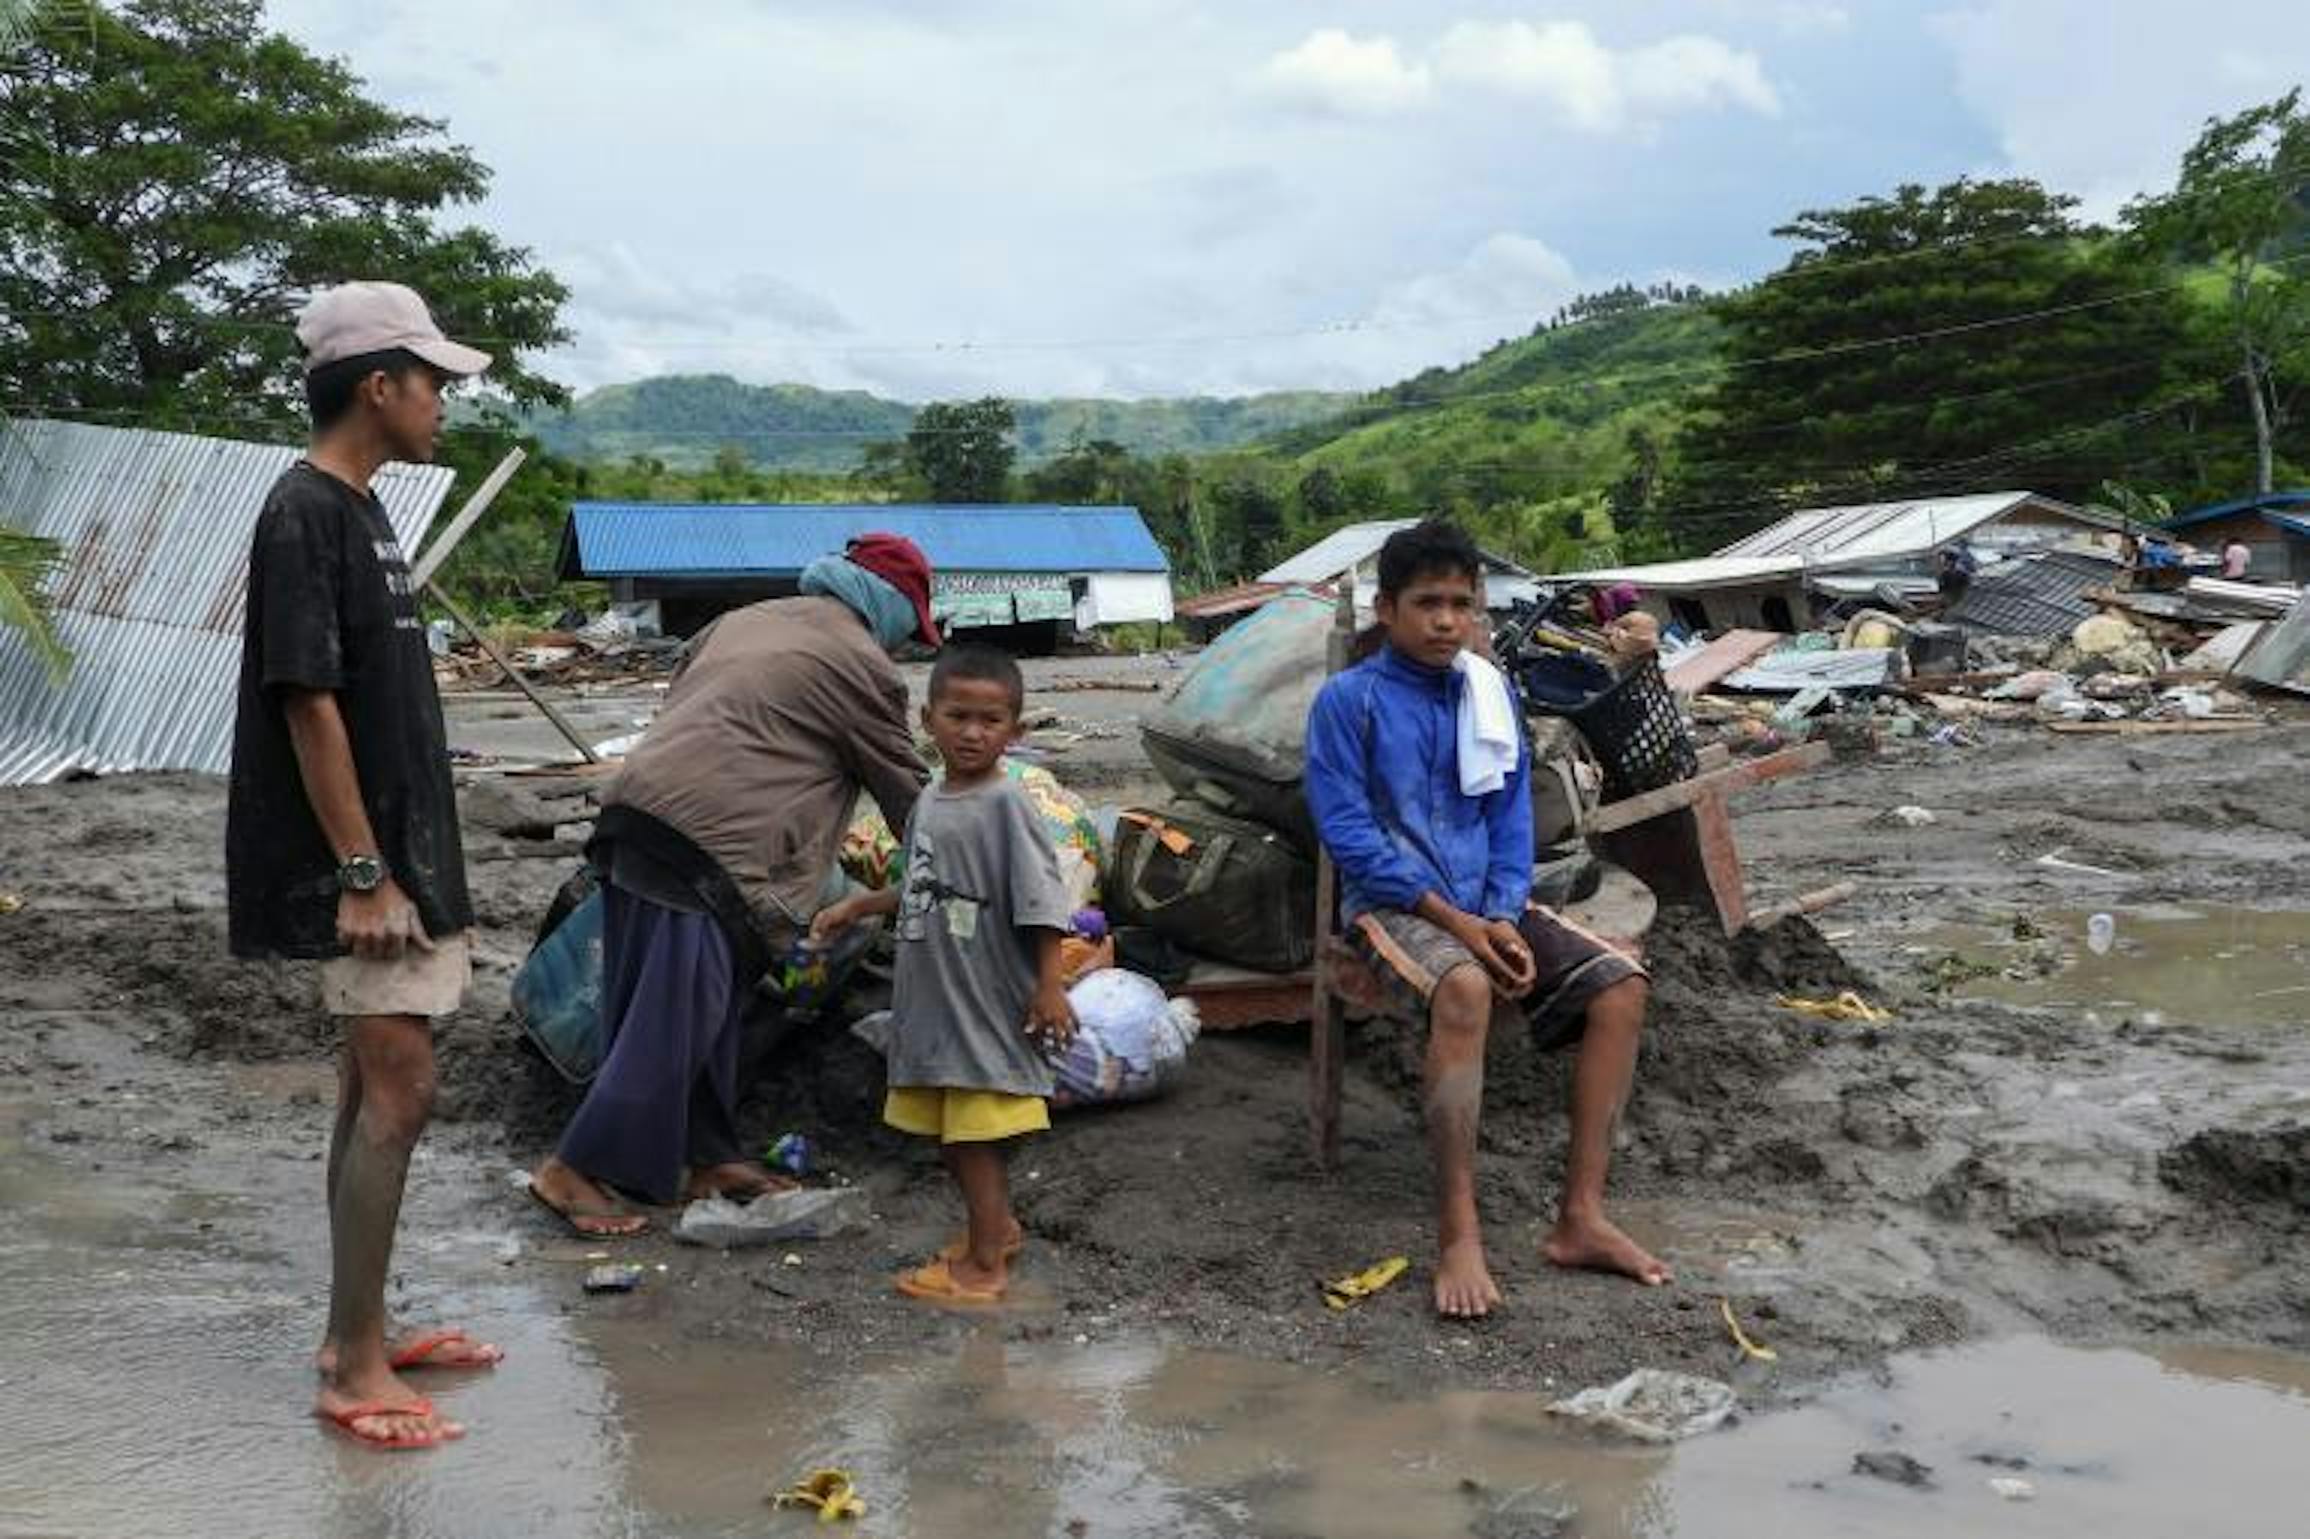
(1214, 885)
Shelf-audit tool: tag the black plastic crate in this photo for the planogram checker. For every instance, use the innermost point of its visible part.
(1631, 722)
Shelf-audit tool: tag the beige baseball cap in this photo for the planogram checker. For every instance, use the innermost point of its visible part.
(356, 318)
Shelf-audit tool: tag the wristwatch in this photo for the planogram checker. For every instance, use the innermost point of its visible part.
(361, 873)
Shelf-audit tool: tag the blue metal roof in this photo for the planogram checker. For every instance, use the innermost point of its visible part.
(682, 539)
(2268, 506)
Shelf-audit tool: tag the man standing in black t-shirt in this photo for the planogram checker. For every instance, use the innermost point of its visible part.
(341, 842)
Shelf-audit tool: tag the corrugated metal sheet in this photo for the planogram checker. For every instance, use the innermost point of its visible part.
(2034, 595)
(670, 539)
(1881, 531)
(1791, 672)
(1342, 550)
(1703, 572)
(2280, 657)
(2273, 502)
(155, 529)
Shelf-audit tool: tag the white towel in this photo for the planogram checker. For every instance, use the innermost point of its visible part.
(1488, 739)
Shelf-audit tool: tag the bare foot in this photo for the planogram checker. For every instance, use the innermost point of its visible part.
(1464, 1286)
(588, 1210)
(436, 1347)
(971, 1277)
(386, 1413)
(738, 1180)
(1599, 1245)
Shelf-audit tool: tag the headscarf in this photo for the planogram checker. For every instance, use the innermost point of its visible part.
(888, 613)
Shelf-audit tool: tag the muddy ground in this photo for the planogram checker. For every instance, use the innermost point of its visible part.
(1970, 1169)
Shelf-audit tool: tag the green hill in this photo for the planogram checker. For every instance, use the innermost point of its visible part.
(1532, 443)
(684, 420)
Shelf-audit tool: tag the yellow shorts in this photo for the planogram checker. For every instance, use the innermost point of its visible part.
(964, 1116)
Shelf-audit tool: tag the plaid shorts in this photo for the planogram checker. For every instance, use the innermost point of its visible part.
(1571, 966)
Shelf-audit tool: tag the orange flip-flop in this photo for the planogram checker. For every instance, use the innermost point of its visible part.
(343, 1420)
(935, 1283)
(424, 1351)
(955, 1250)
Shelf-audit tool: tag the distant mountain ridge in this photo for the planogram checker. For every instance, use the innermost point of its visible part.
(685, 420)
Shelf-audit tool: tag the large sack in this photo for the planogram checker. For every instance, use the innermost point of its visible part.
(1234, 732)
(1217, 886)
(557, 994)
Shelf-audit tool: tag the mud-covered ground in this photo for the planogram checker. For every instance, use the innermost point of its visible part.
(1968, 1169)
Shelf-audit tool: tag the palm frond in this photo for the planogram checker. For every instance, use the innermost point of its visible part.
(27, 563)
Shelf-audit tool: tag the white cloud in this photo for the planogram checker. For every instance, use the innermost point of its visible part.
(1334, 73)
(2132, 100)
(1502, 287)
(1599, 89)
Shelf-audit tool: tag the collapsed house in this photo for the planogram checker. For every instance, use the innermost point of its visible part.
(1785, 578)
(1350, 552)
(2273, 526)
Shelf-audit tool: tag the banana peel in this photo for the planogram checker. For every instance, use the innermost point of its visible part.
(1847, 1006)
(1749, 1348)
(831, 1492)
(1353, 1289)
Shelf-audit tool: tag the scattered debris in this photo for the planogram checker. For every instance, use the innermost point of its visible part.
(2013, 1489)
(1906, 817)
(1749, 1347)
(811, 1213)
(1847, 1006)
(1895, 1466)
(831, 1493)
(1353, 1289)
(1654, 1405)
(615, 1277)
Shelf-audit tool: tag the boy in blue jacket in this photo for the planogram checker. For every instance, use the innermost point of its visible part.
(1418, 776)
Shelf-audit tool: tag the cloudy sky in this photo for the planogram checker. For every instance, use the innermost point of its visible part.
(1136, 197)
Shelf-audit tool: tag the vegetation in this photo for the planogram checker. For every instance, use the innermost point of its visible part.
(685, 420)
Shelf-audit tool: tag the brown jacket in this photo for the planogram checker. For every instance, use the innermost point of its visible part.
(781, 713)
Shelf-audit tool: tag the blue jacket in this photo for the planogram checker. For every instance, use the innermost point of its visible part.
(1383, 780)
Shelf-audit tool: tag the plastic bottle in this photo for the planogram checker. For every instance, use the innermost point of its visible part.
(2100, 934)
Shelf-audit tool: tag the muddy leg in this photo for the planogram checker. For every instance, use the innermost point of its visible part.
(348, 1108)
(1459, 1015)
(1583, 1236)
(393, 1059)
(981, 1172)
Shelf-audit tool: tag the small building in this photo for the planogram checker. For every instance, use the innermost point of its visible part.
(1355, 552)
(1783, 577)
(2275, 528)
(1022, 575)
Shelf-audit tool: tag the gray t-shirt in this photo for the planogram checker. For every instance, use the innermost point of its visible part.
(981, 879)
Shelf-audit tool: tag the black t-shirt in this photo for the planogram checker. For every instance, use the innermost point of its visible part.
(330, 607)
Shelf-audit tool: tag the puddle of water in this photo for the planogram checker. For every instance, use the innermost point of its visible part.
(2203, 965)
(159, 1383)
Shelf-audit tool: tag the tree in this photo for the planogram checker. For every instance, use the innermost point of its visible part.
(1955, 339)
(1091, 471)
(195, 176)
(962, 450)
(27, 561)
(2242, 203)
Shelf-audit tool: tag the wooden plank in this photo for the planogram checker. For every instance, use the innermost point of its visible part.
(426, 565)
(1632, 810)
(1728, 654)
(1804, 903)
(489, 648)
(1327, 1043)
(2156, 728)
(1720, 859)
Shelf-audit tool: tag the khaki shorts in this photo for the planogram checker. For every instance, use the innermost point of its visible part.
(1572, 966)
(427, 983)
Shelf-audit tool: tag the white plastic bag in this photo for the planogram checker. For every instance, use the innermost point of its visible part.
(1654, 1405)
(1131, 1042)
(809, 1213)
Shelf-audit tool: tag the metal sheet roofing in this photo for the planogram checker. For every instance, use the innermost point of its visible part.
(679, 539)
(2034, 595)
(155, 529)
(1701, 572)
(2280, 656)
(1889, 531)
(2266, 504)
(1342, 550)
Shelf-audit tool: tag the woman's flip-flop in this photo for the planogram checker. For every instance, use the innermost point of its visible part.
(935, 1283)
(575, 1219)
(367, 1410)
(432, 1349)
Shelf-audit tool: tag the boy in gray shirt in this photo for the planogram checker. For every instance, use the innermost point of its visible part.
(981, 912)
